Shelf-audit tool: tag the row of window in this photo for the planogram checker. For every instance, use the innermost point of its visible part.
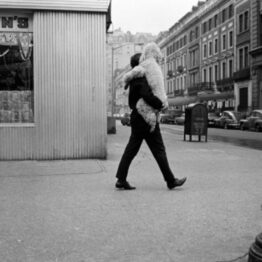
(243, 23)
(222, 17)
(211, 73)
(243, 60)
(212, 47)
(177, 45)
(227, 13)
(179, 61)
(209, 49)
(194, 34)
(178, 83)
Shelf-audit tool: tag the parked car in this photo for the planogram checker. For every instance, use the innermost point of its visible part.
(253, 121)
(180, 120)
(164, 118)
(125, 120)
(228, 119)
(211, 117)
(170, 116)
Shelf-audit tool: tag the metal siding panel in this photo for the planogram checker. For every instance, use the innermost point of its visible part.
(69, 62)
(70, 91)
(16, 142)
(69, 5)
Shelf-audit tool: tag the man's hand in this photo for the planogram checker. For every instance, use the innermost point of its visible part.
(164, 106)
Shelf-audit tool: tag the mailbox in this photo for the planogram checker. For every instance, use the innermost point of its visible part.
(196, 121)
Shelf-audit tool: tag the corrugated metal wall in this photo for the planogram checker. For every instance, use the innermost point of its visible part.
(16, 142)
(70, 93)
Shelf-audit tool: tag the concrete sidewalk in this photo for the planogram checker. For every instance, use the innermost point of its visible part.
(69, 210)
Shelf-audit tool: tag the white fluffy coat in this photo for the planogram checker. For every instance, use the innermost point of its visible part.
(149, 68)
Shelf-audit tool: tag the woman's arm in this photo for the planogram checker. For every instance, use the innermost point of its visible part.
(147, 94)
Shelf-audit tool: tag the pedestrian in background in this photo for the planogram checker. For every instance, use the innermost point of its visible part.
(140, 130)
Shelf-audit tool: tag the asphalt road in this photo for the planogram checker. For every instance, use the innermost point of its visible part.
(248, 139)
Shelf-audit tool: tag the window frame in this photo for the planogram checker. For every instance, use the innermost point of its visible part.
(243, 22)
(243, 61)
(204, 50)
(230, 11)
(21, 98)
(215, 20)
(223, 69)
(204, 75)
(223, 42)
(216, 72)
(230, 39)
(230, 72)
(216, 47)
(223, 16)
(210, 48)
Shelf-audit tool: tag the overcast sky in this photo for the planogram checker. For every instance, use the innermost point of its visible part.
(148, 16)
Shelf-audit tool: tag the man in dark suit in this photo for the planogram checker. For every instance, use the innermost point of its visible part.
(140, 131)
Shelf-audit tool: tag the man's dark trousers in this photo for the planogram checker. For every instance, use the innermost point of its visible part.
(155, 143)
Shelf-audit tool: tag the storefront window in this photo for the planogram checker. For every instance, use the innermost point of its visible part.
(16, 69)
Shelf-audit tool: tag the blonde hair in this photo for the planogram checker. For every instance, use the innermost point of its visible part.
(151, 50)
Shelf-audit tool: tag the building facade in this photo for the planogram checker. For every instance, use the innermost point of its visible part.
(217, 54)
(53, 79)
(181, 64)
(213, 55)
(256, 53)
(242, 76)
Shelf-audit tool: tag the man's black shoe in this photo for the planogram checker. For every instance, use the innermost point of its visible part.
(124, 185)
(177, 182)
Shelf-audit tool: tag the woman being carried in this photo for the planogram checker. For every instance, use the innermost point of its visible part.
(149, 67)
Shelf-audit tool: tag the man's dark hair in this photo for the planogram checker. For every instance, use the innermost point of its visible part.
(134, 61)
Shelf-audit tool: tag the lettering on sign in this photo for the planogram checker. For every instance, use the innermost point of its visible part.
(8, 22)
(15, 23)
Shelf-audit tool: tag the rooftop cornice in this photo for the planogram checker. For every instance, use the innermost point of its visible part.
(188, 20)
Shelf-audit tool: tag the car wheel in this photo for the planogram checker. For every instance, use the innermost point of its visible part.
(257, 128)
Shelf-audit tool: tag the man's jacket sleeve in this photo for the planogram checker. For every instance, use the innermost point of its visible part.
(147, 94)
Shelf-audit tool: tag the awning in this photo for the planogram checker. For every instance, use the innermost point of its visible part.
(180, 101)
(217, 96)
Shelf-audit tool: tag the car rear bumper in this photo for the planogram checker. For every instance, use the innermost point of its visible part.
(234, 125)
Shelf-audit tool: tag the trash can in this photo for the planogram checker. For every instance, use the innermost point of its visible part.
(255, 251)
(196, 121)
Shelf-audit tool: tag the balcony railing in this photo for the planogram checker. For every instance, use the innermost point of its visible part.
(226, 88)
(242, 74)
(226, 84)
(225, 81)
(257, 51)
